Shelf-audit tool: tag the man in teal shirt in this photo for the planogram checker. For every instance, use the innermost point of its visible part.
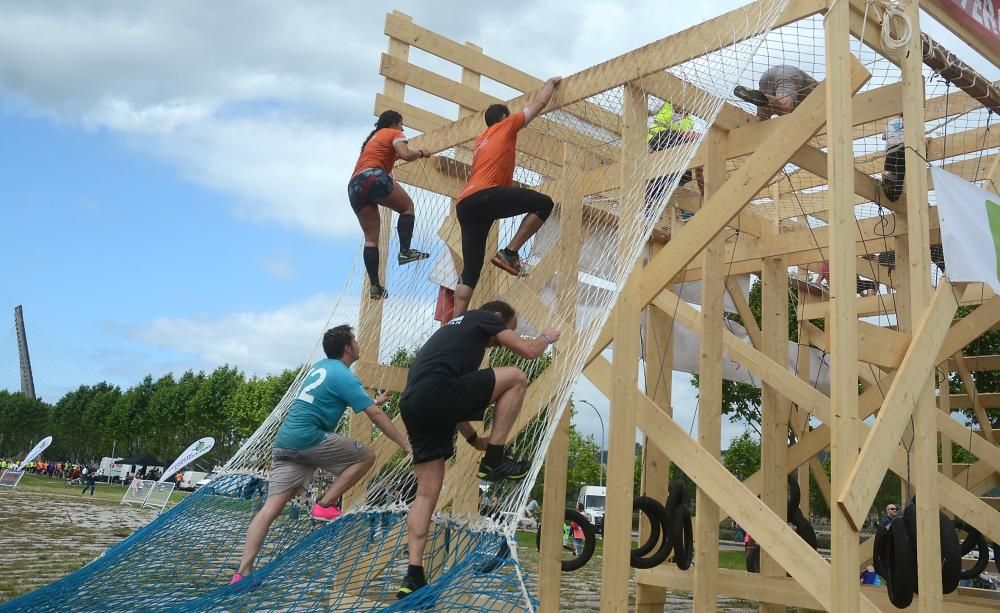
(306, 440)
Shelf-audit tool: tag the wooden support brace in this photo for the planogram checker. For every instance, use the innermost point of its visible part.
(863, 483)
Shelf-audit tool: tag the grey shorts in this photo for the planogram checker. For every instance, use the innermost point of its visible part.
(293, 468)
(787, 82)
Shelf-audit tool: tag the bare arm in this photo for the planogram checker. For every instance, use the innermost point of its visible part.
(541, 99)
(468, 431)
(403, 152)
(382, 421)
(525, 348)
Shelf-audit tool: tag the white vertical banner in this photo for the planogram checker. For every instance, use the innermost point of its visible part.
(35, 452)
(197, 449)
(970, 229)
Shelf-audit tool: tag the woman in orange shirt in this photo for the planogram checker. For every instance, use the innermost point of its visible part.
(372, 184)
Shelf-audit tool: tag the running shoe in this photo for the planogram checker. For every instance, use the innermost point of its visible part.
(508, 263)
(508, 468)
(377, 292)
(322, 513)
(408, 587)
(236, 577)
(753, 96)
(411, 255)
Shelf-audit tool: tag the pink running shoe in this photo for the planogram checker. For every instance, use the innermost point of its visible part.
(325, 513)
(236, 577)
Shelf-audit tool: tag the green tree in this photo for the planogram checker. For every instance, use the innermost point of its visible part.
(742, 458)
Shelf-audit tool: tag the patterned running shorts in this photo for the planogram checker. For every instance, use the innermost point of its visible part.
(369, 186)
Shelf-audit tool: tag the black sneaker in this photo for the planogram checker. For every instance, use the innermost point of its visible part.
(411, 255)
(753, 96)
(408, 587)
(508, 263)
(508, 468)
(377, 292)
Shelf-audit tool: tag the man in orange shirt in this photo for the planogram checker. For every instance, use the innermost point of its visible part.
(489, 196)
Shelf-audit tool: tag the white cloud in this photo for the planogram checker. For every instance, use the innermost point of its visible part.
(280, 265)
(256, 342)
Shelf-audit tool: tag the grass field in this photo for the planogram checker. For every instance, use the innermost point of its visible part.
(104, 493)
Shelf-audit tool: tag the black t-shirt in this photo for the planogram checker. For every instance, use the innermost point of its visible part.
(456, 348)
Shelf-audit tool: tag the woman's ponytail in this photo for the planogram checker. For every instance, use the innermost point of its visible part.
(386, 119)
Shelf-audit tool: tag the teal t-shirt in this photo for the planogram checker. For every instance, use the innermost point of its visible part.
(328, 389)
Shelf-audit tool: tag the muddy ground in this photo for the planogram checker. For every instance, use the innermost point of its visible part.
(47, 534)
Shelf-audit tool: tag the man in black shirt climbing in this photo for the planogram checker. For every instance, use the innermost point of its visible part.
(445, 390)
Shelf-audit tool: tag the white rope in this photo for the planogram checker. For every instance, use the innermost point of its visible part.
(897, 29)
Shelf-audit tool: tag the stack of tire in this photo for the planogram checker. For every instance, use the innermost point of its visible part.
(670, 530)
(795, 517)
(895, 556)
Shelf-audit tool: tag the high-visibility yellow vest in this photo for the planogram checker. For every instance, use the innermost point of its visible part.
(664, 121)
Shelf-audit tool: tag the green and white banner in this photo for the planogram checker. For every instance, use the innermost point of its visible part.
(970, 229)
(197, 449)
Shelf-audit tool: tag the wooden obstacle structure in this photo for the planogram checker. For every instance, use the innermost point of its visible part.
(746, 222)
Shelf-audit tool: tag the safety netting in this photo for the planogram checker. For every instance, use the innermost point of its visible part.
(600, 159)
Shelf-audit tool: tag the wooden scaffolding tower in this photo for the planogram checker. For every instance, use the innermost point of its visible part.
(740, 156)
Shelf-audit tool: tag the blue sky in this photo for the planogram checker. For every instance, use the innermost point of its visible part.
(173, 173)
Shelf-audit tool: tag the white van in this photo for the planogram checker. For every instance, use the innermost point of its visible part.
(592, 498)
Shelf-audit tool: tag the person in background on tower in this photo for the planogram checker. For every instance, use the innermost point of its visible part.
(671, 127)
(306, 440)
(372, 184)
(445, 391)
(781, 90)
(488, 195)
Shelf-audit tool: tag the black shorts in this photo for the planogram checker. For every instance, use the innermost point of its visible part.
(431, 410)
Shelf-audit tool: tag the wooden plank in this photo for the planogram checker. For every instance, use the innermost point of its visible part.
(739, 189)
(805, 565)
(654, 57)
(743, 309)
(776, 374)
(553, 501)
(857, 494)
(706, 524)
(775, 408)
(842, 322)
(977, 405)
(406, 31)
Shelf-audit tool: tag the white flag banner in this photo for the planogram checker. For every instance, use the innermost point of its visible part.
(197, 449)
(34, 453)
(970, 229)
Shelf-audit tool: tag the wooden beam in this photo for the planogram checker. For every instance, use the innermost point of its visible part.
(807, 567)
(706, 525)
(977, 405)
(967, 21)
(654, 57)
(553, 501)
(743, 309)
(842, 322)
(739, 189)
(857, 494)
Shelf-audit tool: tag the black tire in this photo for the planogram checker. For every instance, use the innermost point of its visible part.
(658, 515)
(494, 561)
(804, 529)
(896, 557)
(984, 557)
(951, 555)
(648, 507)
(679, 524)
(684, 544)
(753, 559)
(996, 555)
(589, 540)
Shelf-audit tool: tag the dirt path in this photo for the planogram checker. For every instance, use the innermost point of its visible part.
(46, 536)
(43, 537)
